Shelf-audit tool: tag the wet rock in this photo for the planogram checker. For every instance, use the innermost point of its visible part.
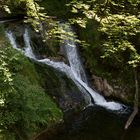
(111, 89)
(102, 85)
(62, 89)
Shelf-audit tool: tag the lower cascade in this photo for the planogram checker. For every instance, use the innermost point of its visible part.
(74, 70)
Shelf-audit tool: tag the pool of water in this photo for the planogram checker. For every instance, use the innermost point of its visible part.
(96, 123)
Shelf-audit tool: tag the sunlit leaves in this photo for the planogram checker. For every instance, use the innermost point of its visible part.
(5, 74)
(135, 60)
(119, 29)
(34, 14)
(74, 10)
(6, 8)
(79, 5)
(84, 10)
(80, 21)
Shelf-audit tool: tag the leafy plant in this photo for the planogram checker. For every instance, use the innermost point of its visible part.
(25, 108)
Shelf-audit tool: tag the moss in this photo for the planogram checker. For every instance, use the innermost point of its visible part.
(27, 106)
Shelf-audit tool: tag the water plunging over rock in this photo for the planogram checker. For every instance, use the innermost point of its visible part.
(12, 40)
(75, 71)
(28, 49)
(55, 82)
(72, 55)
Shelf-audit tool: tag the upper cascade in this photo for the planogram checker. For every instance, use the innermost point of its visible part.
(70, 48)
(74, 70)
(28, 49)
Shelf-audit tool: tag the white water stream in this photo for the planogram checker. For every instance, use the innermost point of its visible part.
(75, 71)
(28, 49)
(72, 54)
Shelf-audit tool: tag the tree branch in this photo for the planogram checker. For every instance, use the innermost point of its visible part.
(136, 100)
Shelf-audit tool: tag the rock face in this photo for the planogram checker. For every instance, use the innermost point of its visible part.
(61, 88)
(111, 90)
(102, 85)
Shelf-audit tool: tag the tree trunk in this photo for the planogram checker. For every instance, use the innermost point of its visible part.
(136, 100)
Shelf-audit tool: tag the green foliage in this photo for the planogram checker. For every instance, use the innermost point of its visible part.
(31, 10)
(5, 80)
(120, 31)
(118, 25)
(34, 14)
(111, 30)
(25, 108)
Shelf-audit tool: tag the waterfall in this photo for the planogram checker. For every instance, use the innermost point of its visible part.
(11, 37)
(75, 71)
(72, 54)
(28, 48)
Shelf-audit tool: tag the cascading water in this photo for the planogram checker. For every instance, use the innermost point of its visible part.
(28, 49)
(12, 40)
(72, 54)
(75, 71)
